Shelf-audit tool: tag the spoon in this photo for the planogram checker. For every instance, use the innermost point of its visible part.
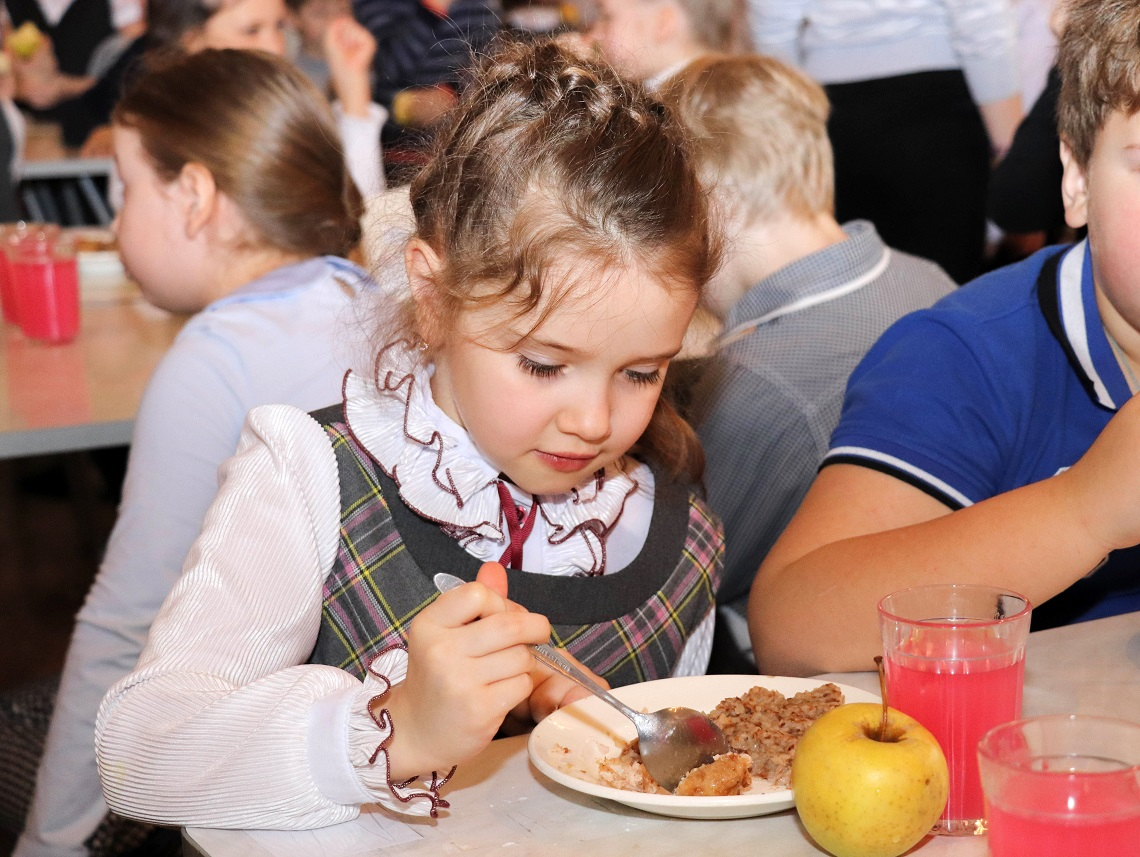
(673, 741)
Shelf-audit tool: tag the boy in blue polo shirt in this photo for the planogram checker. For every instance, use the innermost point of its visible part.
(991, 438)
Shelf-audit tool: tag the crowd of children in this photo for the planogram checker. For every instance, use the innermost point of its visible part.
(264, 646)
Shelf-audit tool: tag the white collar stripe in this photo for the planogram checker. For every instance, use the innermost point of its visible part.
(745, 328)
(905, 466)
(1070, 281)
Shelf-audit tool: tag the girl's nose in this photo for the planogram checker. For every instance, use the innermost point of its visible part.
(587, 415)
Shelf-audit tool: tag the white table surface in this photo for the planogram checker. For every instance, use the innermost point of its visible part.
(501, 804)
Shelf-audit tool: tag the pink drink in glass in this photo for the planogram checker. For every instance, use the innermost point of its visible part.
(955, 662)
(7, 291)
(959, 701)
(47, 281)
(1062, 786)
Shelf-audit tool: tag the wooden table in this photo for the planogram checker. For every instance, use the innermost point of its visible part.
(501, 804)
(84, 394)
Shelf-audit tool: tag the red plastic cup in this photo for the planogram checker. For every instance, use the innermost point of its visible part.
(46, 282)
(7, 285)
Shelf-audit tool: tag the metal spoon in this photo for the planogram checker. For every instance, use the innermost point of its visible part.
(673, 741)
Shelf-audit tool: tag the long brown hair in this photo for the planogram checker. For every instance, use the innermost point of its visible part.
(265, 134)
(551, 153)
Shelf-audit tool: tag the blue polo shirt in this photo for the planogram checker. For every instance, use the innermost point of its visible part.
(1005, 382)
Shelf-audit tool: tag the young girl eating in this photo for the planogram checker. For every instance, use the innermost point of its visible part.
(247, 230)
(511, 415)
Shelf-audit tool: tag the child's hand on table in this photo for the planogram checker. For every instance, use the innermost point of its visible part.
(468, 666)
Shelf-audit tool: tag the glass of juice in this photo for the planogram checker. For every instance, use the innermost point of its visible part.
(1062, 786)
(46, 279)
(954, 658)
(7, 286)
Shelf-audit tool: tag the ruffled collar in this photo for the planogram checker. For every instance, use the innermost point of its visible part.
(442, 476)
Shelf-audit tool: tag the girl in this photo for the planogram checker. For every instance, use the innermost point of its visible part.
(511, 415)
(246, 229)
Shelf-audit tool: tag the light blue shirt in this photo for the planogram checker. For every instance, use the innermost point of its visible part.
(287, 337)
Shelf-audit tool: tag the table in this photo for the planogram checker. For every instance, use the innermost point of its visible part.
(84, 394)
(499, 803)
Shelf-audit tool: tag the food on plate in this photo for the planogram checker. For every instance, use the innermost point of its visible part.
(25, 40)
(762, 727)
(865, 791)
(95, 241)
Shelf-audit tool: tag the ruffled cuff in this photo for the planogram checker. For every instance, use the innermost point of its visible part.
(370, 731)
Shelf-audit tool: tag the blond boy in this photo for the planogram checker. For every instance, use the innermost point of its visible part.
(993, 438)
(801, 299)
(648, 40)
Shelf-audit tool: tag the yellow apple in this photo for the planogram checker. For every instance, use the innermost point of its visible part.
(25, 40)
(860, 796)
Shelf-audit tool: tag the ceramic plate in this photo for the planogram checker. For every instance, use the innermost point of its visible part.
(567, 745)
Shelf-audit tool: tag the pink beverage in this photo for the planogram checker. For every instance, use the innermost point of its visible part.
(1062, 786)
(959, 701)
(1049, 829)
(7, 292)
(954, 658)
(49, 298)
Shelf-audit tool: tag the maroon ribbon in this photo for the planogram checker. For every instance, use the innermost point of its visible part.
(517, 530)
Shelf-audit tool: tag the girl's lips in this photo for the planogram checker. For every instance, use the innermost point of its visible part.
(565, 463)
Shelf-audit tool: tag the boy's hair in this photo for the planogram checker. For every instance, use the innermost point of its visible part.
(265, 134)
(759, 131)
(551, 157)
(1099, 60)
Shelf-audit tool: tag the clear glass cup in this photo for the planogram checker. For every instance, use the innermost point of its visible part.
(954, 658)
(1062, 786)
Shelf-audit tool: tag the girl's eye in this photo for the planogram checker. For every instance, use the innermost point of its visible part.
(539, 370)
(644, 379)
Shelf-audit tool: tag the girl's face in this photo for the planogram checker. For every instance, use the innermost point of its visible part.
(151, 230)
(551, 407)
(243, 25)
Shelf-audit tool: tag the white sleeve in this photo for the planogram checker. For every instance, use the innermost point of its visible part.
(216, 727)
(360, 136)
(126, 12)
(694, 659)
(984, 36)
(775, 27)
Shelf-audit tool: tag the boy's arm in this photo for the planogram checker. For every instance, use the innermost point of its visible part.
(861, 534)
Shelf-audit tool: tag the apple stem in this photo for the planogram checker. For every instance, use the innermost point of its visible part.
(883, 694)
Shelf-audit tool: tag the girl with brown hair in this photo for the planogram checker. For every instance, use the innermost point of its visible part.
(304, 664)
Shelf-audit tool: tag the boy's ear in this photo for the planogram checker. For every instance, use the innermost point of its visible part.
(197, 197)
(1074, 189)
(423, 265)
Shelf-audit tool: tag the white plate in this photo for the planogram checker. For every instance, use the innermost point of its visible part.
(589, 729)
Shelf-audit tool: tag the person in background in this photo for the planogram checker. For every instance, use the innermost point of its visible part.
(801, 299)
(247, 232)
(305, 664)
(13, 134)
(175, 26)
(992, 439)
(311, 20)
(423, 49)
(924, 96)
(649, 40)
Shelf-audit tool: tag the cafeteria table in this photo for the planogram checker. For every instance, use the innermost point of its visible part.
(83, 394)
(501, 804)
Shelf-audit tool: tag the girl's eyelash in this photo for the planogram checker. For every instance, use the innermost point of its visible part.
(539, 370)
(644, 379)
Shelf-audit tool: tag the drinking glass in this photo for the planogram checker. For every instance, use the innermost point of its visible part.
(46, 278)
(1062, 786)
(954, 658)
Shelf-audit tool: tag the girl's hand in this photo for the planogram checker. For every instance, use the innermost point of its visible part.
(552, 691)
(349, 49)
(468, 666)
